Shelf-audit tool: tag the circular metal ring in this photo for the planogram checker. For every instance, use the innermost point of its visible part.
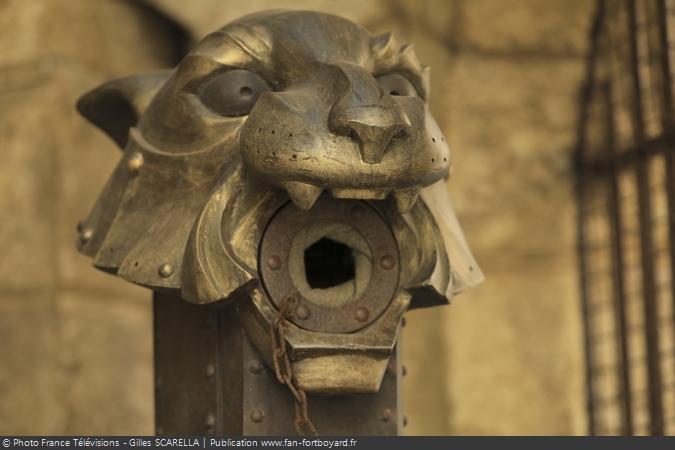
(346, 317)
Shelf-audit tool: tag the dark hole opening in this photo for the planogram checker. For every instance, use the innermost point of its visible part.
(328, 263)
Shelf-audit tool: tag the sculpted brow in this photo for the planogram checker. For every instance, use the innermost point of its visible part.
(230, 50)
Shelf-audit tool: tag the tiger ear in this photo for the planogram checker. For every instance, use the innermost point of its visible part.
(116, 105)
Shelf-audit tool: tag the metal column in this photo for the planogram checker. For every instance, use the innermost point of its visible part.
(209, 380)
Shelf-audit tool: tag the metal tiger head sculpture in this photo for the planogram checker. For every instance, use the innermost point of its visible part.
(277, 140)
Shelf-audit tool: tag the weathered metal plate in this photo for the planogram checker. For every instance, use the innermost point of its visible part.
(186, 344)
(274, 263)
(354, 415)
(210, 380)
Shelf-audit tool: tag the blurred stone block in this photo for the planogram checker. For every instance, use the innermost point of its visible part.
(86, 32)
(515, 360)
(27, 179)
(31, 372)
(82, 367)
(206, 16)
(544, 29)
(61, 321)
(512, 123)
(107, 362)
(426, 403)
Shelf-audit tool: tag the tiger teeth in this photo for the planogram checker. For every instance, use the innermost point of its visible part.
(405, 199)
(302, 194)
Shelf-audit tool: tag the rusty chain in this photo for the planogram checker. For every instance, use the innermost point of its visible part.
(284, 371)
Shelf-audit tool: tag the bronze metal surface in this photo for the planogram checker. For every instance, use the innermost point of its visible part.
(276, 121)
(328, 363)
(346, 115)
(188, 367)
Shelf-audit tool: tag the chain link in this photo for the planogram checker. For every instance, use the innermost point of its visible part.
(284, 370)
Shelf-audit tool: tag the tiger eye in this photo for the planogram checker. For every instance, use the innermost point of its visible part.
(397, 84)
(233, 93)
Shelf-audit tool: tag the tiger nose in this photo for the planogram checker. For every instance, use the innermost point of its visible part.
(373, 131)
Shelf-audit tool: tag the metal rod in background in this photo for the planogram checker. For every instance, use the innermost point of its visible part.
(582, 199)
(646, 238)
(667, 117)
(618, 281)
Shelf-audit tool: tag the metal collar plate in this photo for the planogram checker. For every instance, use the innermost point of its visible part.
(356, 227)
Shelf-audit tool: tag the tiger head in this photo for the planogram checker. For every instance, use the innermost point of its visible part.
(283, 109)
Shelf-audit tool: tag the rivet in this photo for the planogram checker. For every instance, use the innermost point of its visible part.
(361, 314)
(403, 322)
(405, 421)
(274, 262)
(358, 213)
(302, 312)
(404, 370)
(210, 370)
(257, 415)
(165, 270)
(387, 262)
(210, 420)
(386, 415)
(80, 226)
(255, 367)
(86, 235)
(135, 162)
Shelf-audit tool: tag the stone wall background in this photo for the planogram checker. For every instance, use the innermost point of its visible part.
(75, 344)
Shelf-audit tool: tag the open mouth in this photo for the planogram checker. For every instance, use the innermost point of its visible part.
(304, 195)
(330, 263)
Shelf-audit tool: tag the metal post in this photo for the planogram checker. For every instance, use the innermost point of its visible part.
(210, 380)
